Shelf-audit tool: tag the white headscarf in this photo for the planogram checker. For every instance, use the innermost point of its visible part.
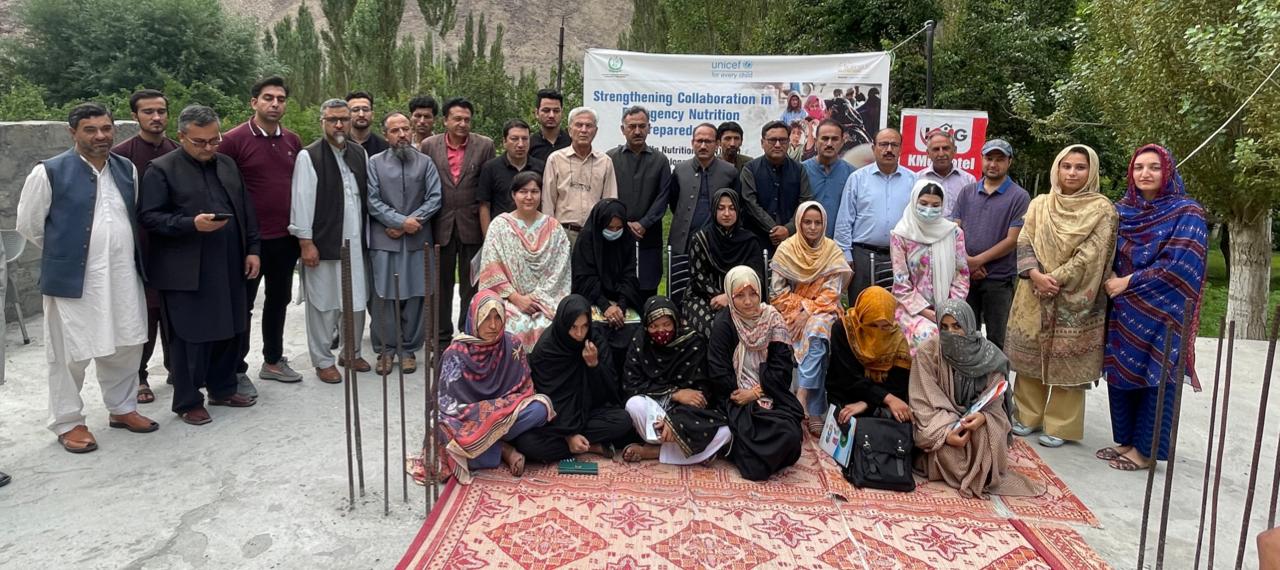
(939, 234)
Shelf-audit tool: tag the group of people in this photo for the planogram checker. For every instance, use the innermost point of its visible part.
(564, 346)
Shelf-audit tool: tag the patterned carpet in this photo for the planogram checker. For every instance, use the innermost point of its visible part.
(651, 516)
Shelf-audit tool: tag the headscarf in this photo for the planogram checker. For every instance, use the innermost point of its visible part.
(733, 246)
(754, 332)
(558, 368)
(605, 270)
(800, 262)
(1068, 220)
(970, 355)
(878, 351)
(813, 106)
(657, 370)
(939, 234)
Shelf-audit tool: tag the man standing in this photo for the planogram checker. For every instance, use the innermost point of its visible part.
(827, 173)
(78, 208)
(773, 186)
(578, 176)
(729, 137)
(991, 213)
(549, 137)
(150, 109)
(942, 151)
(642, 177)
(494, 188)
(874, 198)
(404, 193)
(457, 154)
(422, 112)
(205, 235)
(362, 132)
(330, 186)
(691, 185)
(265, 153)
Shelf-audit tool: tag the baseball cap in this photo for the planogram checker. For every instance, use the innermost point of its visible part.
(998, 144)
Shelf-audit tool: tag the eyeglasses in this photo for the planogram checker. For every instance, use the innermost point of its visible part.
(201, 143)
(337, 120)
(775, 141)
(703, 142)
(888, 144)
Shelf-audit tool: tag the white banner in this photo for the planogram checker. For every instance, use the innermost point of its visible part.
(681, 91)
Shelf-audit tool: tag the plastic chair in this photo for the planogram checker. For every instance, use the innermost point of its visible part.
(678, 276)
(14, 245)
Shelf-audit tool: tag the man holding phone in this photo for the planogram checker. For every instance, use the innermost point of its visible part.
(204, 235)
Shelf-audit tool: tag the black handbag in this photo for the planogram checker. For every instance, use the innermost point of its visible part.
(881, 455)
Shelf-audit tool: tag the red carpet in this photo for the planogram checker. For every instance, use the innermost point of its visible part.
(638, 516)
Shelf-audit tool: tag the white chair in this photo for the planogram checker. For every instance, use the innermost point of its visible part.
(14, 245)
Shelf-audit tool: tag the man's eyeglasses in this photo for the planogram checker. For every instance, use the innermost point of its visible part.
(202, 143)
(775, 142)
(337, 120)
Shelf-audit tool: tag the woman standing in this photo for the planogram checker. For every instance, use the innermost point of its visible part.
(749, 361)
(930, 264)
(525, 260)
(1160, 265)
(1057, 323)
(809, 275)
(713, 251)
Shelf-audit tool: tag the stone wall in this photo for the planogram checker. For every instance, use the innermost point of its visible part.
(22, 144)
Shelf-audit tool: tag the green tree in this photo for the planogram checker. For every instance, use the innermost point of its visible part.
(75, 49)
(298, 49)
(337, 14)
(373, 46)
(648, 30)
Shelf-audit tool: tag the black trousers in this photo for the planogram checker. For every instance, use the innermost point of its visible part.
(208, 364)
(154, 331)
(456, 254)
(279, 258)
(608, 426)
(871, 266)
(991, 300)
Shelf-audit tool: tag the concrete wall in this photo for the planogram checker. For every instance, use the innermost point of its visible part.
(22, 144)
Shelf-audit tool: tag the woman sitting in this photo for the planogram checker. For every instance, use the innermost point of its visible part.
(486, 394)
(809, 275)
(930, 264)
(870, 363)
(749, 361)
(713, 251)
(969, 450)
(572, 368)
(665, 379)
(604, 271)
(525, 259)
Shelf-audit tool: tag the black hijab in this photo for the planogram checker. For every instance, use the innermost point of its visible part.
(560, 372)
(655, 371)
(604, 270)
(733, 246)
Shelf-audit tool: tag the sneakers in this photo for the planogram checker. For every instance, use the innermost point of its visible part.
(1051, 441)
(245, 387)
(1021, 430)
(283, 372)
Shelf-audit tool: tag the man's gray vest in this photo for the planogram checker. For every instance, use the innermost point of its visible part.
(402, 185)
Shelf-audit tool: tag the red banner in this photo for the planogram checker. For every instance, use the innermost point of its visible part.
(968, 128)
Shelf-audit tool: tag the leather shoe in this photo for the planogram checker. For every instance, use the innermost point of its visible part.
(385, 363)
(360, 364)
(235, 401)
(134, 422)
(4, 479)
(196, 416)
(409, 364)
(78, 440)
(329, 375)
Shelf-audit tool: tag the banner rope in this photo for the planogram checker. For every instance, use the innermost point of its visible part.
(909, 38)
(1233, 115)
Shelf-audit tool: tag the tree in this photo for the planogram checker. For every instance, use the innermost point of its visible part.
(298, 49)
(648, 30)
(75, 49)
(1170, 73)
(371, 37)
(337, 13)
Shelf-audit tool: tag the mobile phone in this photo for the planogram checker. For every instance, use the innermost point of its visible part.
(221, 217)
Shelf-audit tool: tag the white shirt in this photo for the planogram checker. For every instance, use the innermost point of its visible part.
(322, 284)
(112, 310)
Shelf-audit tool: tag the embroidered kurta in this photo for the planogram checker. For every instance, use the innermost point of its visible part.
(913, 285)
(529, 259)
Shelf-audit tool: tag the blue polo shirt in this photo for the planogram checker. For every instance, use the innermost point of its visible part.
(828, 187)
(987, 219)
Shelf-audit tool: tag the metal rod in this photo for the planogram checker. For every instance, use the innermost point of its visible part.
(560, 59)
(1222, 442)
(1257, 438)
(1171, 461)
(1213, 424)
(929, 27)
(395, 341)
(346, 393)
(1155, 441)
(348, 352)
(434, 385)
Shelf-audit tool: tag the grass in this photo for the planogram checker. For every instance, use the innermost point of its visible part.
(1214, 304)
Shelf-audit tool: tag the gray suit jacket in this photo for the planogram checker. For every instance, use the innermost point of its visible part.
(682, 190)
(459, 208)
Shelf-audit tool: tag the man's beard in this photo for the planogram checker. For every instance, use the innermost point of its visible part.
(339, 139)
(401, 150)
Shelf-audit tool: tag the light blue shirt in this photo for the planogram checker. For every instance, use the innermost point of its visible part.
(828, 187)
(871, 205)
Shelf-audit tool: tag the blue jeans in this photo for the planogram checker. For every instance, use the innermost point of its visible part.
(812, 377)
(532, 416)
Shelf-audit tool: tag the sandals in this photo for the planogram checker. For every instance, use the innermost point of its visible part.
(78, 440)
(814, 425)
(145, 395)
(1107, 454)
(1123, 463)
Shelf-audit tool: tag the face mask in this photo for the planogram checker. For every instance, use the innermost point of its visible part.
(662, 338)
(612, 235)
(929, 213)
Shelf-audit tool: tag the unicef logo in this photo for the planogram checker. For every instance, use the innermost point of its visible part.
(615, 64)
(746, 64)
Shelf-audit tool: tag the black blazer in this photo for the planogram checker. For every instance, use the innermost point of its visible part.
(167, 207)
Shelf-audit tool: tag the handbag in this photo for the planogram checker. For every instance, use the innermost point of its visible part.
(881, 457)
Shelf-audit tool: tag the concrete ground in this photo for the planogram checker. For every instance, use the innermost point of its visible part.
(265, 487)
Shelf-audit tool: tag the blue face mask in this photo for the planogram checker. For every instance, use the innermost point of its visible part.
(929, 213)
(612, 235)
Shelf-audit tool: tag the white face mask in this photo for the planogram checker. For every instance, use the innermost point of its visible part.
(929, 213)
(612, 235)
